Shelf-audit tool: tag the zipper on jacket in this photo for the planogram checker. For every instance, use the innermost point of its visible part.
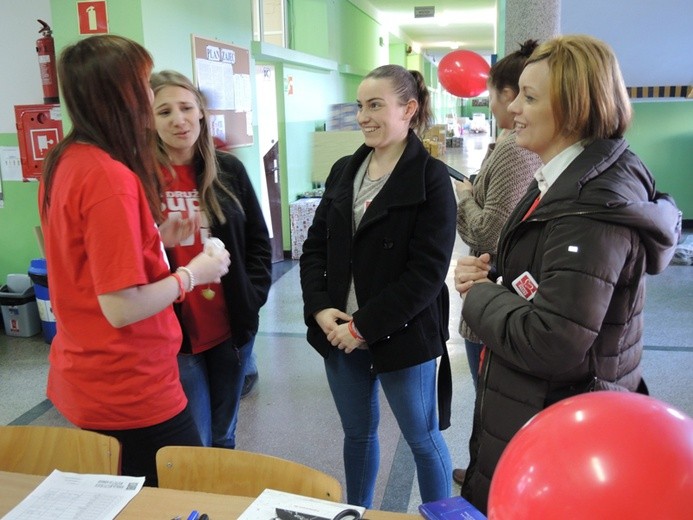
(557, 215)
(484, 379)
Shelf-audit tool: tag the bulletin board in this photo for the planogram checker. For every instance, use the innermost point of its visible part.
(222, 73)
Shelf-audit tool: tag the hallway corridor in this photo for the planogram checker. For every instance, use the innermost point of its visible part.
(290, 413)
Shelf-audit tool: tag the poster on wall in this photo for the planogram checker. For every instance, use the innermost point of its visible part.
(222, 73)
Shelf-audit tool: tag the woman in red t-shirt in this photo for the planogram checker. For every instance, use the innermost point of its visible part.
(211, 188)
(113, 360)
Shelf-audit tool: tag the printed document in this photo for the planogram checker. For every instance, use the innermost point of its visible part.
(71, 496)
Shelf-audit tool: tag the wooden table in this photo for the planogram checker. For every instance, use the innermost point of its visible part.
(158, 503)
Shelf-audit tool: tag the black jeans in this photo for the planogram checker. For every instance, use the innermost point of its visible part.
(139, 445)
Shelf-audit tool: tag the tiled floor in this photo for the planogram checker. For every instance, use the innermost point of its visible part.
(291, 414)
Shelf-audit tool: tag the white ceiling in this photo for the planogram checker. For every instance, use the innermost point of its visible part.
(470, 24)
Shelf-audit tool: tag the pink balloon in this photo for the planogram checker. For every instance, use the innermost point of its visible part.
(597, 455)
(463, 73)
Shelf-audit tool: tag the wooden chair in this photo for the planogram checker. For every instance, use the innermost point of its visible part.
(38, 450)
(236, 472)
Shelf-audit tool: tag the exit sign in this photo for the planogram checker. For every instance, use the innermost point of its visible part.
(424, 12)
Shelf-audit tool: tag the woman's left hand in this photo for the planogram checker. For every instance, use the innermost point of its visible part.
(342, 338)
(471, 270)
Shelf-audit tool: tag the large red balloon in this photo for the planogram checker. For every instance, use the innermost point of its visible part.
(598, 455)
(463, 73)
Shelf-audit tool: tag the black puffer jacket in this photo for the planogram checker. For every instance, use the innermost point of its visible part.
(588, 245)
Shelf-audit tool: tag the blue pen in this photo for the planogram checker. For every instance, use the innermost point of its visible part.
(194, 515)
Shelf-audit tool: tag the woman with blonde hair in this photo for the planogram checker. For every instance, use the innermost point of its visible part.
(565, 314)
(211, 189)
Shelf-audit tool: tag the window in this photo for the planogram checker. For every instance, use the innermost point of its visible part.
(269, 21)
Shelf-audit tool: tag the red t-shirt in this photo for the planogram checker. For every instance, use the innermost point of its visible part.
(100, 237)
(205, 320)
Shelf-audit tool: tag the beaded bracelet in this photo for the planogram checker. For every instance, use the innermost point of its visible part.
(190, 275)
(354, 332)
(181, 288)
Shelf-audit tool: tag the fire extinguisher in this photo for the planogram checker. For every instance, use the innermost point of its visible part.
(45, 48)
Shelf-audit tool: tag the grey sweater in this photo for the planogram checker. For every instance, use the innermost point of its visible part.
(505, 174)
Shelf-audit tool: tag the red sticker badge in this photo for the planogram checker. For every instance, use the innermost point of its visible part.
(525, 285)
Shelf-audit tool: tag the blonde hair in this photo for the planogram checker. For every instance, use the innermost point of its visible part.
(588, 95)
(205, 157)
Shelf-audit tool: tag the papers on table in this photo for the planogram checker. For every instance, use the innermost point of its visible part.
(272, 504)
(71, 496)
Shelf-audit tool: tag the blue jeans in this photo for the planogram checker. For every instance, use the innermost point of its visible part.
(411, 393)
(212, 381)
(473, 358)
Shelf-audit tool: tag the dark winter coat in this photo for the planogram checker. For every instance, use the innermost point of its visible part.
(595, 234)
(399, 258)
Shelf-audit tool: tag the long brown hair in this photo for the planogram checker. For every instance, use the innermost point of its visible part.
(105, 90)
(205, 160)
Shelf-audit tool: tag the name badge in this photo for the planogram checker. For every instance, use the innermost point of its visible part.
(525, 285)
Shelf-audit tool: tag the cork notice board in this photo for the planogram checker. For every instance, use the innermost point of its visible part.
(222, 73)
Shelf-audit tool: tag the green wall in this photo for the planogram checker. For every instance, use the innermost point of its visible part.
(18, 218)
(315, 89)
(305, 111)
(662, 135)
(356, 36)
(310, 20)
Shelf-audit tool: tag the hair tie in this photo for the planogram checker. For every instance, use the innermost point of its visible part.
(527, 48)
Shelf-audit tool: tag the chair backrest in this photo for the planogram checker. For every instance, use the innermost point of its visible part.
(237, 472)
(39, 450)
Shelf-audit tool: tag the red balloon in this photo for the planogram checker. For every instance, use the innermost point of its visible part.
(597, 455)
(463, 73)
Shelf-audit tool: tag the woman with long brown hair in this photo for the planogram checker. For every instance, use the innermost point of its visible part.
(373, 277)
(113, 360)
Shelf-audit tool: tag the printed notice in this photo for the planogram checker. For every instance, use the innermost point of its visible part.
(72, 496)
(272, 505)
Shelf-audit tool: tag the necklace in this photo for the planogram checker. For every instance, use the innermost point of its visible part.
(382, 178)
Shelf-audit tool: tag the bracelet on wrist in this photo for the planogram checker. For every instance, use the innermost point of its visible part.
(181, 288)
(191, 276)
(354, 331)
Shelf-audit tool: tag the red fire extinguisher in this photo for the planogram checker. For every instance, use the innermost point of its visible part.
(45, 49)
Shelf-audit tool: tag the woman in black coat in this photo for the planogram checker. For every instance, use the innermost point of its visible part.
(373, 274)
(212, 189)
(566, 316)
